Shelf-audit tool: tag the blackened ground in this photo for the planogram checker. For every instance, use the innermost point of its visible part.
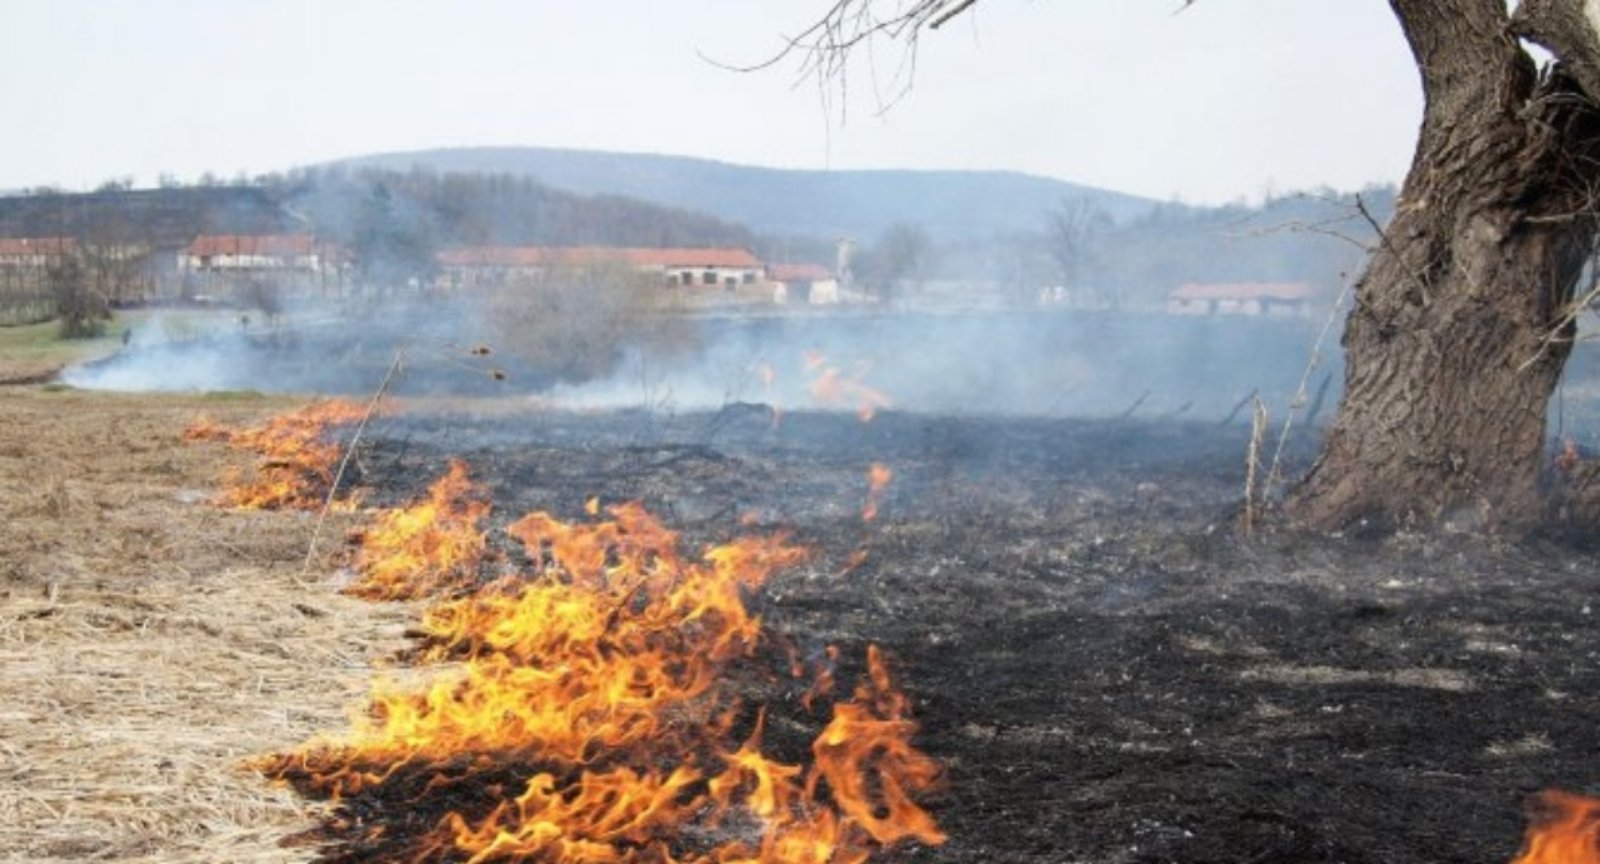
(1109, 672)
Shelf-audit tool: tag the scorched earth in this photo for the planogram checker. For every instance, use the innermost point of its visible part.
(1076, 656)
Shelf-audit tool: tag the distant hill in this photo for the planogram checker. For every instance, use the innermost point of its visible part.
(346, 205)
(857, 204)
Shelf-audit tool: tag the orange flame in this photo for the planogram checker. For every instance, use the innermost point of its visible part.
(878, 477)
(832, 388)
(430, 546)
(822, 685)
(599, 678)
(1563, 829)
(870, 740)
(1568, 460)
(296, 464)
(769, 378)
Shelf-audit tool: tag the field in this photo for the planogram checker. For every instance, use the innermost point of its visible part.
(32, 353)
(149, 641)
(1107, 672)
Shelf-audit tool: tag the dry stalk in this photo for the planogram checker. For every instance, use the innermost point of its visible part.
(1258, 434)
(1295, 404)
(349, 450)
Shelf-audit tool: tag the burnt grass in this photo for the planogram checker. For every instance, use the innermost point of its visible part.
(1107, 669)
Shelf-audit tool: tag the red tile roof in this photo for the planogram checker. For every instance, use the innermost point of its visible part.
(551, 256)
(799, 273)
(18, 246)
(1281, 291)
(732, 258)
(207, 245)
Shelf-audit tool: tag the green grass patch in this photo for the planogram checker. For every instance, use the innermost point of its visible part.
(40, 346)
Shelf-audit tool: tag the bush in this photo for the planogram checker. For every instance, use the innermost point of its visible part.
(83, 310)
(576, 323)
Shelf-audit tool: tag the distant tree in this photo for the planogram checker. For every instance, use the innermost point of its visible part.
(81, 309)
(576, 323)
(1074, 232)
(1022, 268)
(899, 260)
(393, 240)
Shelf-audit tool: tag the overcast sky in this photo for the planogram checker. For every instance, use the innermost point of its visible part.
(1227, 100)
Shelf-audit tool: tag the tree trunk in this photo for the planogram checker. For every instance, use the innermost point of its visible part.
(1462, 322)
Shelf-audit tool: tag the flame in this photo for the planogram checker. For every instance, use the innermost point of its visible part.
(856, 558)
(1564, 828)
(822, 685)
(430, 546)
(832, 388)
(587, 705)
(878, 477)
(1568, 460)
(296, 464)
(870, 740)
(769, 379)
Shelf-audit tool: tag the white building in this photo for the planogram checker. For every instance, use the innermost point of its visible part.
(233, 253)
(488, 266)
(1288, 299)
(803, 283)
(34, 253)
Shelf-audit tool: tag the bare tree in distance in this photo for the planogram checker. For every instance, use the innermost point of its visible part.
(81, 307)
(1465, 315)
(1073, 228)
(899, 260)
(578, 322)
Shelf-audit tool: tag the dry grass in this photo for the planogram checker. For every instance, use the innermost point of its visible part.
(149, 642)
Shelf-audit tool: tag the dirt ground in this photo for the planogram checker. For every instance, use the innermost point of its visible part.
(1108, 672)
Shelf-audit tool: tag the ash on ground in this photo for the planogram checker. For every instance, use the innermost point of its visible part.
(1111, 673)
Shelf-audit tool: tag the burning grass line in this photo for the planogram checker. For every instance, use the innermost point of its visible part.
(436, 545)
(583, 712)
(294, 463)
(1563, 828)
(349, 450)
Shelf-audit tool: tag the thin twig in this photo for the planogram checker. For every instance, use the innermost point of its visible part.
(1295, 403)
(1240, 406)
(350, 449)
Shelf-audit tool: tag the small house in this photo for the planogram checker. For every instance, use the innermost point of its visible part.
(1278, 299)
(803, 283)
(233, 253)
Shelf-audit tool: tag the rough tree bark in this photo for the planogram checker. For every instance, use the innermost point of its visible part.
(1462, 320)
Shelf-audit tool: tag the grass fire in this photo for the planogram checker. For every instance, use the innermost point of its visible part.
(296, 457)
(583, 710)
(520, 432)
(580, 688)
(435, 544)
